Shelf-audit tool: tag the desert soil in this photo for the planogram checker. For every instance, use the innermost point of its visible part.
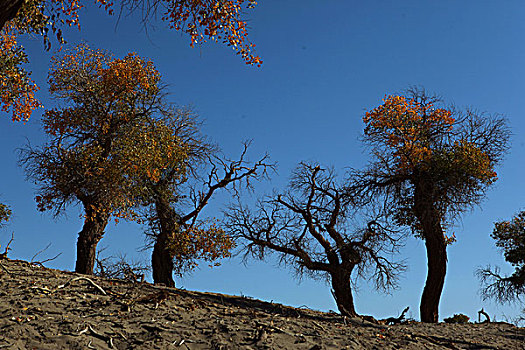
(43, 308)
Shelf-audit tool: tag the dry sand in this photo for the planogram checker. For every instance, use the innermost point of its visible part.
(40, 310)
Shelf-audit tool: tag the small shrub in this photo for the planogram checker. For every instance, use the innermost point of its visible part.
(457, 318)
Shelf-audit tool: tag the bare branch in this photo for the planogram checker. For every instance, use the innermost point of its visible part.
(7, 247)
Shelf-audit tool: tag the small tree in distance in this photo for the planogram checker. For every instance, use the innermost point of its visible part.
(430, 164)
(510, 238)
(310, 228)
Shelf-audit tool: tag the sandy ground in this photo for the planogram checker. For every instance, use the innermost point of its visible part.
(50, 309)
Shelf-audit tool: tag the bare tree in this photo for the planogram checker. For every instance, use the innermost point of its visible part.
(310, 228)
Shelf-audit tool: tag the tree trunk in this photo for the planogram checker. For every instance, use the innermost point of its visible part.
(162, 261)
(342, 293)
(8, 10)
(430, 220)
(162, 258)
(437, 269)
(92, 232)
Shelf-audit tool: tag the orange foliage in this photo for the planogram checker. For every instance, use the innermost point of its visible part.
(407, 126)
(418, 143)
(201, 19)
(17, 90)
(206, 242)
(106, 137)
(215, 20)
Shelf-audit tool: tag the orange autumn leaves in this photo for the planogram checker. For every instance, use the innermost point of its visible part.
(109, 135)
(113, 141)
(217, 20)
(406, 126)
(17, 90)
(40, 17)
(206, 241)
(419, 136)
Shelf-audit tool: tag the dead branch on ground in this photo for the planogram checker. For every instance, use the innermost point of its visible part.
(7, 248)
(397, 320)
(99, 288)
(482, 312)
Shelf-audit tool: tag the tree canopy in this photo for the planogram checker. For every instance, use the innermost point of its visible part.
(219, 21)
(510, 238)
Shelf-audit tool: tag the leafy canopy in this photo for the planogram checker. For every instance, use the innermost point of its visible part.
(416, 140)
(510, 238)
(101, 140)
(202, 20)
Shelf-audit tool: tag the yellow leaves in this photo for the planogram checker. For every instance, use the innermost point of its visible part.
(128, 75)
(473, 161)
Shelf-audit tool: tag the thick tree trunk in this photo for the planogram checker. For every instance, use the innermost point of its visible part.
(437, 269)
(162, 258)
(162, 261)
(92, 232)
(8, 10)
(430, 220)
(343, 294)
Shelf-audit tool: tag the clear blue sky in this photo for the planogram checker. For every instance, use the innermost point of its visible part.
(325, 63)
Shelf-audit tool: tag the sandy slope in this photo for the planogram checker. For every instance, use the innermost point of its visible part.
(38, 312)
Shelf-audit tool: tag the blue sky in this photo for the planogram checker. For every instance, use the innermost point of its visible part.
(325, 64)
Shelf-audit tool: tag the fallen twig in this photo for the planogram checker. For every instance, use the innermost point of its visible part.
(277, 329)
(83, 331)
(5, 269)
(397, 320)
(119, 333)
(43, 289)
(101, 336)
(41, 263)
(318, 325)
(183, 342)
(99, 288)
